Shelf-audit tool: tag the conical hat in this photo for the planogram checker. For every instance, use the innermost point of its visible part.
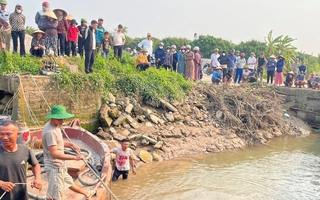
(38, 31)
(65, 14)
(291, 72)
(70, 17)
(51, 14)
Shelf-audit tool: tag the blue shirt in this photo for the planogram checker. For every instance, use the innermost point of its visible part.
(99, 34)
(232, 61)
(216, 74)
(271, 67)
(300, 77)
(303, 69)
(280, 65)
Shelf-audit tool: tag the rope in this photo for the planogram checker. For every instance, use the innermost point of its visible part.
(15, 184)
(6, 108)
(85, 162)
(40, 92)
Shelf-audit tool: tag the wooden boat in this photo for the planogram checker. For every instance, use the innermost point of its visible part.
(97, 147)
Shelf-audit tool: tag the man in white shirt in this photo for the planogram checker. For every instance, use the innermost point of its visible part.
(118, 40)
(124, 158)
(214, 59)
(147, 44)
(251, 62)
(5, 35)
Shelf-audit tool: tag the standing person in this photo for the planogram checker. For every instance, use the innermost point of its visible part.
(252, 61)
(62, 29)
(124, 158)
(300, 80)
(72, 37)
(189, 58)
(51, 39)
(261, 62)
(18, 22)
(82, 31)
(37, 43)
(279, 70)
(13, 163)
(147, 44)
(214, 59)
(224, 60)
(3, 24)
(232, 62)
(303, 68)
(5, 34)
(271, 67)
(99, 33)
(159, 55)
(182, 61)
(54, 158)
(105, 45)
(197, 63)
(240, 63)
(41, 18)
(168, 59)
(175, 57)
(90, 46)
(295, 66)
(118, 40)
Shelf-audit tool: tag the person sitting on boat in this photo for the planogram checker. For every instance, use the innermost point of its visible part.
(124, 158)
(54, 157)
(37, 43)
(300, 80)
(142, 62)
(289, 79)
(13, 162)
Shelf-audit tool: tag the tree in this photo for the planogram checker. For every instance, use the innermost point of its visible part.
(254, 46)
(169, 41)
(271, 43)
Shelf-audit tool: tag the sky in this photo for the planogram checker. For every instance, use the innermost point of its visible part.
(234, 20)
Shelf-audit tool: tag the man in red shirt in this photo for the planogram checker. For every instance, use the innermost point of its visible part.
(72, 37)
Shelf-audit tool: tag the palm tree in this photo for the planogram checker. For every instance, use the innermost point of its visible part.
(272, 43)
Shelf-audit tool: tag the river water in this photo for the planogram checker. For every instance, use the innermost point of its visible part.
(287, 168)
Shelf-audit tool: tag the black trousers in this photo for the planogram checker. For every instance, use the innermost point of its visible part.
(72, 48)
(62, 39)
(142, 66)
(270, 75)
(21, 35)
(37, 53)
(80, 46)
(117, 51)
(89, 60)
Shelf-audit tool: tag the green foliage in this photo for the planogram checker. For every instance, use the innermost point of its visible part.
(29, 30)
(254, 46)
(13, 63)
(176, 41)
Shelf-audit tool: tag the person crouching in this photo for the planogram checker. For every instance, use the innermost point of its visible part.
(142, 60)
(217, 76)
(253, 76)
(289, 79)
(300, 80)
(37, 43)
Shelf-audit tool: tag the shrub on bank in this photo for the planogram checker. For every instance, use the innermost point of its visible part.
(109, 76)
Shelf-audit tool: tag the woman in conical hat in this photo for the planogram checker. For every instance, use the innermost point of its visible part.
(62, 29)
(37, 43)
(51, 40)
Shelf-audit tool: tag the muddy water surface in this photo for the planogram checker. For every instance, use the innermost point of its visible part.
(287, 168)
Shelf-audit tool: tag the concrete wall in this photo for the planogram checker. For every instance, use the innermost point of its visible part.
(306, 103)
(84, 107)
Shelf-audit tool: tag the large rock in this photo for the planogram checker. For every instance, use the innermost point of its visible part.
(156, 157)
(154, 119)
(147, 113)
(138, 110)
(113, 113)
(129, 108)
(111, 98)
(178, 117)
(134, 125)
(168, 105)
(104, 135)
(120, 120)
(159, 145)
(152, 141)
(113, 131)
(145, 156)
(104, 118)
(118, 137)
(198, 113)
(125, 133)
(169, 116)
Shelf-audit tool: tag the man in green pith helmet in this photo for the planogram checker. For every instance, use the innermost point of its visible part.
(5, 33)
(54, 157)
(81, 39)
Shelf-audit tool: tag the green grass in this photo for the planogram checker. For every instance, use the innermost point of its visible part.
(110, 75)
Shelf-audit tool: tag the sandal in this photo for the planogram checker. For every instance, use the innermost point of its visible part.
(91, 194)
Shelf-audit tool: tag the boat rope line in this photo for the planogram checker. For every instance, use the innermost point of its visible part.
(15, 184)
(90, 168)
(35, 83)
(6, 108)
(31, 113)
